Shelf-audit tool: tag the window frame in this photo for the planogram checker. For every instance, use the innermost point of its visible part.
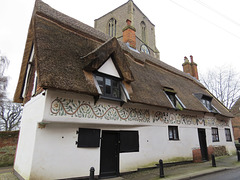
(171, 93)
(171, 135)
(215, 135)
(228, 135)
(28, 73)
(207, 102)
(143, 31)
(102, 88)
(112, 27)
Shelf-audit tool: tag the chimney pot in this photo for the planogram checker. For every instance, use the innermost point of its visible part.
(128, 22)
(190, 68)
(191, 57)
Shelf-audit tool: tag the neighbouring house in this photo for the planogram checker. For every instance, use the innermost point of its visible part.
(236, 120)
(91, 100)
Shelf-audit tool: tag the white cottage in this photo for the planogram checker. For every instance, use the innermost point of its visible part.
(93, 101)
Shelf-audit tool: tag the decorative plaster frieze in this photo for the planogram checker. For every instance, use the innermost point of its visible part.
(83, 109)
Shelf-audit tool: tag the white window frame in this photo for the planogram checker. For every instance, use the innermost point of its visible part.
(29, 66)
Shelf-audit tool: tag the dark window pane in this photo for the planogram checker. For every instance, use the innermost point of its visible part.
(228, 135)
(115, 92)
(215, 137)
(173, 133)
(110, 87)
(99, 80)
(108, 82)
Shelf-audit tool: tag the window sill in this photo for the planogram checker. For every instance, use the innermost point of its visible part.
(174, 139)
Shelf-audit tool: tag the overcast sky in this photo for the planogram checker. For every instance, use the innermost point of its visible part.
(207, 29)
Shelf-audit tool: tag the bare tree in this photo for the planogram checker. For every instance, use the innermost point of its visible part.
(224, 84)
(10, 113)
(10, 116)
(4, 62)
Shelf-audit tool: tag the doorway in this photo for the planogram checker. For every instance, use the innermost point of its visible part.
(109, 156)
(203, 143)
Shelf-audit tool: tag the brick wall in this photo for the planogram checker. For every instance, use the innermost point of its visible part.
(236, 127)
(8, 144)
(216, 150)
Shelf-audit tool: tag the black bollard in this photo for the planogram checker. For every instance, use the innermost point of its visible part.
(213, 161)
(238, 155)
(161, 168)
(91, 173)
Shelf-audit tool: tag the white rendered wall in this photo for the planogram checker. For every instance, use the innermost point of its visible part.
(55, 155)
(32, 113)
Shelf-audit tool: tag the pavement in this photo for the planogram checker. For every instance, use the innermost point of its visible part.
(174, 172)
(6, 173)
(186, 171)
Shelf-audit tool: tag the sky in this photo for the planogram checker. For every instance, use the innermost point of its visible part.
(209, 30)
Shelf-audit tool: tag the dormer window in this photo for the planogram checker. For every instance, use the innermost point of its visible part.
(207, 102)
(109, 86)
(175, 101)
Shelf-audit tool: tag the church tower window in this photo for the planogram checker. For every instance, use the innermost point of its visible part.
(143, 28)
(112, 27)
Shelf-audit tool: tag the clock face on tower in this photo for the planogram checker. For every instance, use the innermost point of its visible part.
(144, 49)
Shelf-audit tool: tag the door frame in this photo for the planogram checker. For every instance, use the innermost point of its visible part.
(117, 153)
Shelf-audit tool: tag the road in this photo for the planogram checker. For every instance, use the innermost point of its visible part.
(233, 174)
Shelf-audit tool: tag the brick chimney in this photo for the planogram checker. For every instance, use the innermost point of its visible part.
(190, 67)
(129, 34)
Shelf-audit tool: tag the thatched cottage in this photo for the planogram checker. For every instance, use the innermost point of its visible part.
(93, 101)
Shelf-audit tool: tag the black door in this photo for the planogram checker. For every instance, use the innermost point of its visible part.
(203, 144)
(109, 156)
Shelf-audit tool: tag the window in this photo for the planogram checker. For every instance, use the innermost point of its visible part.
(143, 27)
(207, 102)
(173, 133)
(28, 73)
(215, 137)
(228, 134)
(175, 101)
(34, 90)
(109, 86)
(112, 27)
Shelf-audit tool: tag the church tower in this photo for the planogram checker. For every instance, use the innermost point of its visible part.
(114, 22)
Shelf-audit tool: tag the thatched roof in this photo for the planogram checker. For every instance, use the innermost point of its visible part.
(67, 51)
